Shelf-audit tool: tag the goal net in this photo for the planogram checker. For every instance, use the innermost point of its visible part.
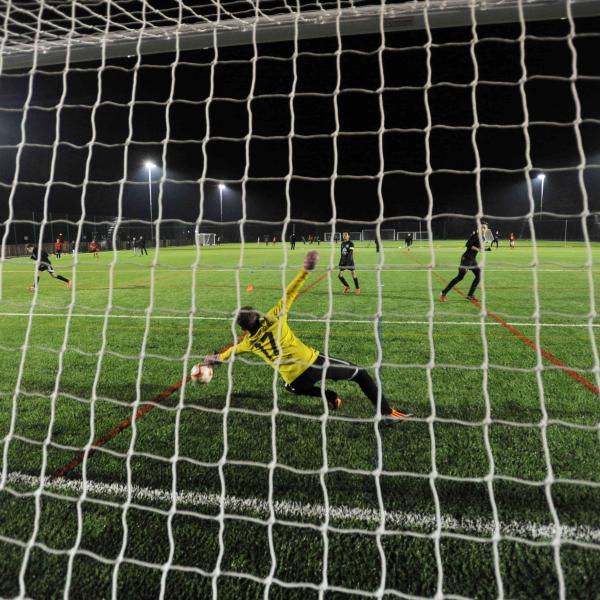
(422, 235)
(354, 235)
(206, 239)
(158, 129)
(374, 234)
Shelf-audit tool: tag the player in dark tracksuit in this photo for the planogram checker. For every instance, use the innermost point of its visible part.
(468, 262)
(496, 238)
(44, 265)
(347, 263)
(142, 246)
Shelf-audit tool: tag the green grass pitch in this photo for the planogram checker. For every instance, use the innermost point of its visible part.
(502, 445)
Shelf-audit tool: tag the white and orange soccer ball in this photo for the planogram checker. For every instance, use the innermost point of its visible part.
(201, 374)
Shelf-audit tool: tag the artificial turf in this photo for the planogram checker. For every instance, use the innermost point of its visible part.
(500, 434)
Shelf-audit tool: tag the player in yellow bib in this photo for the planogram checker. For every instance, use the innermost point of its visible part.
(300, 366)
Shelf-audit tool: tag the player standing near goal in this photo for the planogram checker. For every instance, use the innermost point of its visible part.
(293, 241)
(44, 265)
(511, 240)
(57, 248)
(468, 262)
(496, 239)
(408, 241)
(142, 246)
(347, 263)
(300, 366)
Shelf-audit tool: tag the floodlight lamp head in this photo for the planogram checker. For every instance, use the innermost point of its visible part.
(541, 177)
(149, 165)
(221, 187)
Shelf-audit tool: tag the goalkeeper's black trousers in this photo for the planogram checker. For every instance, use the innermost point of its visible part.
(462, 271)
(307, 384)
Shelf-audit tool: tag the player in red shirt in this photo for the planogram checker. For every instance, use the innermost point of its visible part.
(94, 248)
(57, 248)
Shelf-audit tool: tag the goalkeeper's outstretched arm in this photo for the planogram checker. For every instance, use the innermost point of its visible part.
(249, 319)
(293, 288)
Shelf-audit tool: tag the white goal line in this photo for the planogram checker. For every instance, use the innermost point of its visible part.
(296, 510)
(302, 320)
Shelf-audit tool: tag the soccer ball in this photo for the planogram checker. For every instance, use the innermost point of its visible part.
(201, 374)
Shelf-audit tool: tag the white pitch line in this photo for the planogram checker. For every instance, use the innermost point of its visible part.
(298, 320)
(298, 510)
(367, 268)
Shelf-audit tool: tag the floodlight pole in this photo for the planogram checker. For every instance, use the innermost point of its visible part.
(221, 203)
(221, 188)
(149, 166)
(541, 177)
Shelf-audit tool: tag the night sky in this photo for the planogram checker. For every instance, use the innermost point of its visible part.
(500, 139)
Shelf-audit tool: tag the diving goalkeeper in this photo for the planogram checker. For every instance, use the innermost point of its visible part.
(300, 366)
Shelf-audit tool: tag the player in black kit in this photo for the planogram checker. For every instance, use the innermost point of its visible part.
(496, 238)
(468, 262)
(44, 265)
(347, 263)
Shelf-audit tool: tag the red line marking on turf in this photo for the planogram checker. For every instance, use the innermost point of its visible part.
(313, 284)
(113, 433)
(126, 423)
(529, 342)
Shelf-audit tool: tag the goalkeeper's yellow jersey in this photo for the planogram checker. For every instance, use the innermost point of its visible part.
(275, 342)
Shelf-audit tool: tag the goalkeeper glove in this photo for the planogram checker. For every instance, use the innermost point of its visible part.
(211, 359)
(310, 260)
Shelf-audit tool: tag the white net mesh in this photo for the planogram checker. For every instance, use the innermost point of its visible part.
(147, 147)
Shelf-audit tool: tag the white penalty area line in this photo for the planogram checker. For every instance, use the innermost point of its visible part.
(298, 320)
(390, 268)
(297, 510)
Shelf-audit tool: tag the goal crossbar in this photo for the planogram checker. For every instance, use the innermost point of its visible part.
(144, 36)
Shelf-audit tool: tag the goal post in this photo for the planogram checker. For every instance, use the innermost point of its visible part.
(383, 234)
(422, 236)
(206, 239)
